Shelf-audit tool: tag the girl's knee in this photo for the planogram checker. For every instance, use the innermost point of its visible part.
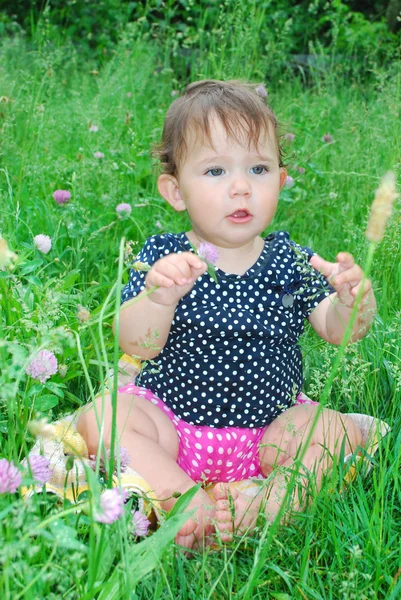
(95, 417)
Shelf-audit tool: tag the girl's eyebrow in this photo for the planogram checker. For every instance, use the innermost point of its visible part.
(216, 158)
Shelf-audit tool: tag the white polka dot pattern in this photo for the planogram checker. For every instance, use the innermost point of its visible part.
(232, 358)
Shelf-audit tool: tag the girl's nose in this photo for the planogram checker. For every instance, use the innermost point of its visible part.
(240, 186)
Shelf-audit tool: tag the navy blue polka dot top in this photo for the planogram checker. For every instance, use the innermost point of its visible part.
(232, 356)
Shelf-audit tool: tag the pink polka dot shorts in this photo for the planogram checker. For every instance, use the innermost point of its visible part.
(208, 454)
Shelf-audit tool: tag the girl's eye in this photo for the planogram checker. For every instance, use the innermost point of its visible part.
(259, 170)
(215, 172)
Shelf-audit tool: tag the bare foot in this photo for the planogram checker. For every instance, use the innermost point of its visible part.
(197, 531)
(245, 509)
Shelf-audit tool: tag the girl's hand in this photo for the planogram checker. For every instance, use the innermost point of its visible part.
(344, 275)
(174, 275)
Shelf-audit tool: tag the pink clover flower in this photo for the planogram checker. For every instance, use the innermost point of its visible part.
(10, 477)
(62, 196)
(43, 366)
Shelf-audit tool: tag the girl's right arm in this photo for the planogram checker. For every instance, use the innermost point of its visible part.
(145, 324)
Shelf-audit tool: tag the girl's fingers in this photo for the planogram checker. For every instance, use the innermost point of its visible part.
(178, 271)
(352, 275)
(193, 260)
(323, 266)
(367, 286)
(346, 260)
(158, 279)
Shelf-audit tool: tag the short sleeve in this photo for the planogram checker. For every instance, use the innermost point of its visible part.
(313, 285)
(150, 253)
(155, 247)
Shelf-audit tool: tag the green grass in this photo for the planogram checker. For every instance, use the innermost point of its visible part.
(347, 545)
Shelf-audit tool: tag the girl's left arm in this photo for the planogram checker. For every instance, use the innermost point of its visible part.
(331, 317)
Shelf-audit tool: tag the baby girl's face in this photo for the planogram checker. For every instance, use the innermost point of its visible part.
(230, 191)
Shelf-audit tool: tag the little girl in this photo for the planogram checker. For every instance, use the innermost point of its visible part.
(219, 398)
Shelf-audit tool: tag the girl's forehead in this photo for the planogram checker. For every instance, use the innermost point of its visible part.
(218, 137)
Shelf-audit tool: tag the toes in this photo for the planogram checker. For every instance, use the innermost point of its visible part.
(223, 505)
(223, 516)
(220, 491)
(186, 541)
(188, 529)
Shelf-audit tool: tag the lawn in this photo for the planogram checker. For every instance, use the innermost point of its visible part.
(71, 123)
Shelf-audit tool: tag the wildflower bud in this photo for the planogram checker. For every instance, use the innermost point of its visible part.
(176, 494)
(6, 256)
(327, 138)
(141, 266)
(42, 429)
(381, 207)
(83, 314)
(69, 464)
(62, 370)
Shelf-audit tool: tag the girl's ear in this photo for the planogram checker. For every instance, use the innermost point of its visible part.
(283, 176)
(168, 187)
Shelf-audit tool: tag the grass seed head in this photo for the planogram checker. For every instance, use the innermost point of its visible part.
(380, 212)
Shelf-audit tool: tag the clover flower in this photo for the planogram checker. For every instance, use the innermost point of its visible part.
(10, 477)
(289, 182)
(208, 253)
(62, 196)
(261, 91)
(6, 256)
(140, 523)
(123, 209)
(94, 128)
(98, 155)
(327, 138)
(381, 207)
(43, 366)
(39, 467)
(43, 243)
(125, 460)
(290, 137)
(111, 506)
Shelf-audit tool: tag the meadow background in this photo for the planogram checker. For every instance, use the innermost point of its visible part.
(82, 78)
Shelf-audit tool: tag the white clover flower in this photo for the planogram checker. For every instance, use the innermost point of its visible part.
(43, 243)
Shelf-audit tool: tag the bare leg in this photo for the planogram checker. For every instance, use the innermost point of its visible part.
(282, 445)
(152, 443)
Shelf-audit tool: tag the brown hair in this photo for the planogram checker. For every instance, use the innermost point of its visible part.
(240, 108)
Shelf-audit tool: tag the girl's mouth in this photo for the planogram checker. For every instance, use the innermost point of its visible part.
(240, 216)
